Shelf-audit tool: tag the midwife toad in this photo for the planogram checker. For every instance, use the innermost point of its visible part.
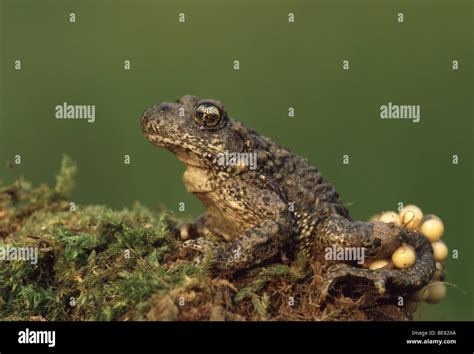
(281, 206)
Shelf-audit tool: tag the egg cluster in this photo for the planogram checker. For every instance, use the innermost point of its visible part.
(411, 217)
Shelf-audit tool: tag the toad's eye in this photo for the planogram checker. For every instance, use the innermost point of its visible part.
(208, 116)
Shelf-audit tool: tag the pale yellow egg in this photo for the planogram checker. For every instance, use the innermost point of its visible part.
(440, 251)
(439, 272)
(379, 263)
(411, 216)
(432, 227)
(437, 292)
(404, 256)
(420, 295)
(389, 216)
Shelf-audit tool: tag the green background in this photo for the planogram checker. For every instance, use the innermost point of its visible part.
(282, 65)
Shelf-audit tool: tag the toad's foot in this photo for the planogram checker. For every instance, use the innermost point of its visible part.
(197, 229)
(402, 280)
(198, 250)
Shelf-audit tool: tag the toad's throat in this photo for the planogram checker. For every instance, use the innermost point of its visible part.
(198, 180)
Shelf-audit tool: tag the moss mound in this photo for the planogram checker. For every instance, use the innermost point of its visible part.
(94, 263)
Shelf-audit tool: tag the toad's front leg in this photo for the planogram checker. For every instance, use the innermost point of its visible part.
(256, 245)
(266, 238)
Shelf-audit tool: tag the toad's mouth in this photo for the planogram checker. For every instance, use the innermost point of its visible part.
(186, 156)
(180, 150)
(160, 140)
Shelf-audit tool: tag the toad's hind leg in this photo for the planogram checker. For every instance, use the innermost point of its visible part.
(403, 280)
(376, 239)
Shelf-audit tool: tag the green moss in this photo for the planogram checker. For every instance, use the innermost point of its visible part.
(65, 178)
(95, 263)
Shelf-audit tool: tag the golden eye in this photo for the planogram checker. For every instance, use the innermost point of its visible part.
(208, 115)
